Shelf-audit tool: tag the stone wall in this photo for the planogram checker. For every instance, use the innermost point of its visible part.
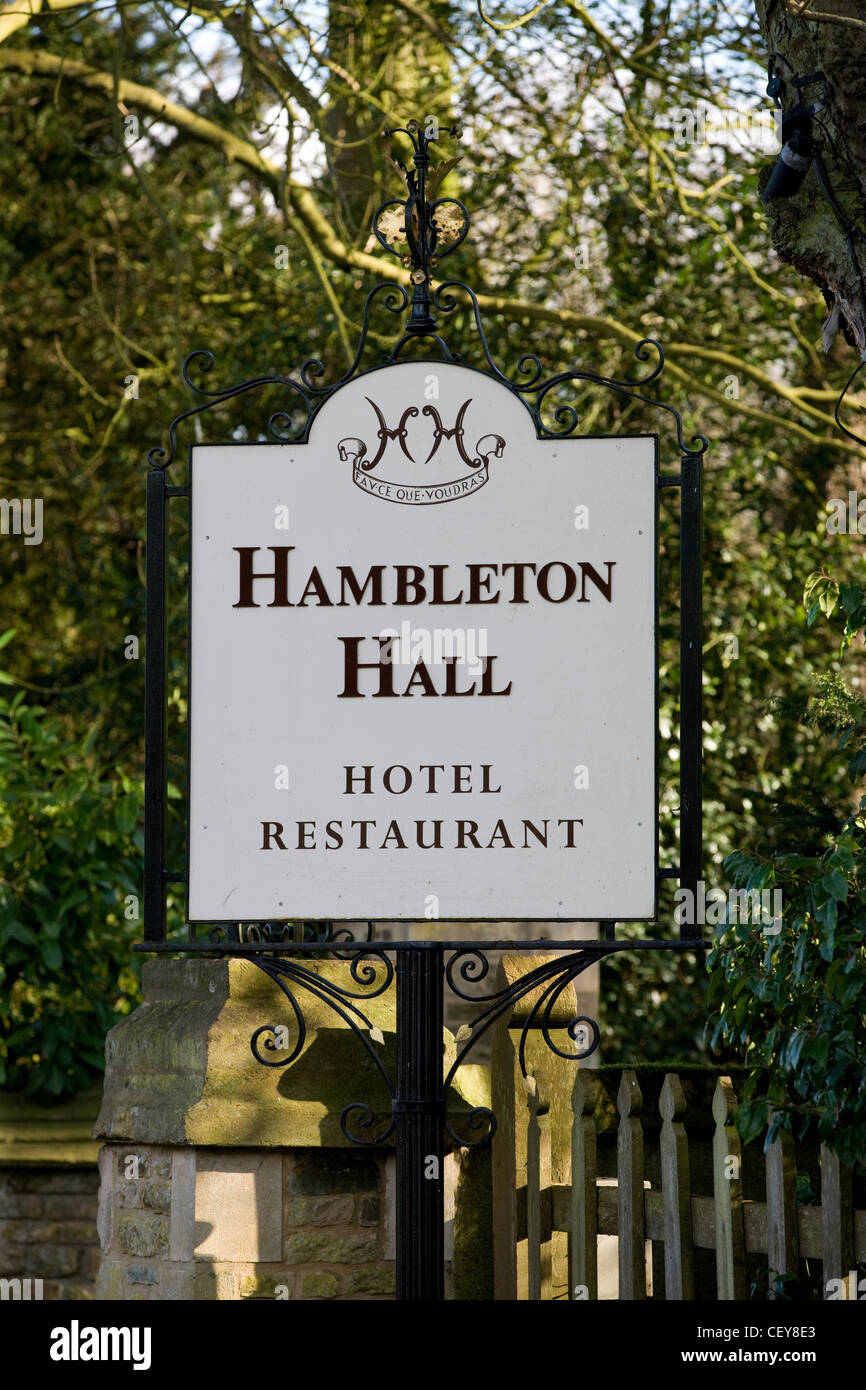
(48, 1229)
(48, 1197)
(222, 1178)
(241, 1224)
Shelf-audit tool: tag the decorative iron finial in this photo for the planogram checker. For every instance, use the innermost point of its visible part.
(421, 229)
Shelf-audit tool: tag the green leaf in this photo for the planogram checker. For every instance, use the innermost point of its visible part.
(17, 931)
(751, 1118)
(51, 953)
(836, 885)
(792, 1050)
(851, 597)
(126, 814)
(857, 765)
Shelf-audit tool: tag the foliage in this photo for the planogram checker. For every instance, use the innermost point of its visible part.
(70, 853)
(653, 1006)
(796, 1000)
(122, 247)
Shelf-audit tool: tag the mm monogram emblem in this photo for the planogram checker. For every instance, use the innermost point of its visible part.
(445, 475)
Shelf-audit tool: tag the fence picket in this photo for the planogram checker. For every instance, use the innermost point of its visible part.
(538, 1193)
(728, 1195)
(837, 1219)
(782, 1229)
(630, 1202)
(533, 1193)
(583, 1215)
(679, 1277)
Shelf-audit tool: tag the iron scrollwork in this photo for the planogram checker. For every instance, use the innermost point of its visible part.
(550, 979)
(290, 974)
(287, 933)
(281, 933)
(420, 230)
(471, 965)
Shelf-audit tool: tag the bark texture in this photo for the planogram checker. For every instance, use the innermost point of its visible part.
(804, 230)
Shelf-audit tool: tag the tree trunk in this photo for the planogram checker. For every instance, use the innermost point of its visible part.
(803, 228)
(406, 67)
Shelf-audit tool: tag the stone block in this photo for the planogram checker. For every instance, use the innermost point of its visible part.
(77, 1206)
(238, 1206)
(179, 1068)
(132, 1163)
(143, 1235)
(331, 1247)
(319, 1211)
(41, 1261)
(369, 1211)
(155, 1196)
(127, 1195)
(178, 1285)
(64, 1232)
(24, 1204)
(377, 1279)
(215, 1283)
(324, 1174)
(105, 1212)
(272, 1285)
(319, 1284)
(16, 1232)
(183, 1178)
(67, 1181)
(157, 1057)
(110, 1281)
(90, 1261)
(169, 1284)
(21, 1233)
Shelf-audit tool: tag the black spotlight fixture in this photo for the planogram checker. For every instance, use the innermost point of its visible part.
(798, 145)
(792, 166)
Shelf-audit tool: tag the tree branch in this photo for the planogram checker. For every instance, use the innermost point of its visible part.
(302, 202)
(20, 12)
(518, 23)
(32, 62)
(803, 10)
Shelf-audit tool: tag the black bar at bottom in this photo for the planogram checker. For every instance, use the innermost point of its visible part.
(419, 1114)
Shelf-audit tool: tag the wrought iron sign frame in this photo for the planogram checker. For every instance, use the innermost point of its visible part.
(421, 230)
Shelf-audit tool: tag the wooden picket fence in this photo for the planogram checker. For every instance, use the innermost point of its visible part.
(655, 1159)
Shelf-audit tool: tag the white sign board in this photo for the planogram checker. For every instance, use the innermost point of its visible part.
(423, 664)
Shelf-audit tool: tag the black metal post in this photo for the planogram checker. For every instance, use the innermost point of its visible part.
(691, 676)
(419, 1114)
(155, 637)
